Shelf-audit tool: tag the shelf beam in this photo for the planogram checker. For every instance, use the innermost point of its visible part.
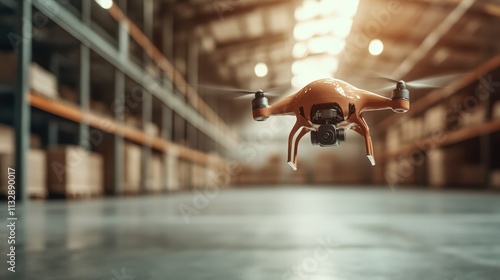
(89, 37)
(108, 125)
(184, 87)
(435, 96)
(446, 138)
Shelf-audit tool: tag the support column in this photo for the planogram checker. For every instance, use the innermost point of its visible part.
(84, 94)
(53, 133)
(118, 155)
(147, 108)
(21, 107)
(84, 87)
(119, 109)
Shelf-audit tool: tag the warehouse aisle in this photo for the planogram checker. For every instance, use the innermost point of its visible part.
(285, 233)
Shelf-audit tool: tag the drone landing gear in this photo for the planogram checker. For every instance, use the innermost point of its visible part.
(301, 126)
(362, 128)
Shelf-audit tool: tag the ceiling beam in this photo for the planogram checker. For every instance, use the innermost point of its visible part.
(432, 39)
(224, 9)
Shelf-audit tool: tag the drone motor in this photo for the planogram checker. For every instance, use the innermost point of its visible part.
(260, 101)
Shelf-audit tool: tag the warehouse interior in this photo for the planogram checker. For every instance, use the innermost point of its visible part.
(129, 147)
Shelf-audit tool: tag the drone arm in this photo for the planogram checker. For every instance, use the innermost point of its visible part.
(362, 128)
(301, 125)
(384, 103)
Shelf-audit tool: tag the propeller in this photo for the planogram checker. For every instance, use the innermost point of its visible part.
(437, 81)
(242, 93)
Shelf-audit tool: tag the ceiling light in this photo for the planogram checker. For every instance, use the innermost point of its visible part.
(261, 69)
(341, 26)
(323, 64)
(326, 44)
(299, 50)
(312, 8)
(105, 4)
(308, 10)
(299, 81)
(376, 47)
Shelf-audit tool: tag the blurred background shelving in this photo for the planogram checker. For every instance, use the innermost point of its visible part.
(119, 79)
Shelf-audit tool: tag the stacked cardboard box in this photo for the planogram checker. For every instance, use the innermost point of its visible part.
(495, 179)
(151, 129)
(37, 173)
(74, 172)
(96, 171)
(132, 169)
(6, 161)
(412, 129)
(392, 140)
(448, 166)
(68, 94)
(6, 139)
(475, 116)
(435, 119)
(496, 110)
(41, 81)
(100, 108)
(154, 180)
(185, 174)
(171, 176)
(323, 171)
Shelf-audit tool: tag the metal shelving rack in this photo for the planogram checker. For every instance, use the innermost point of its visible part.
(187, 105)
(483, 131)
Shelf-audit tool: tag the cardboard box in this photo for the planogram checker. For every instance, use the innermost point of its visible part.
(171, 176)
(68, 94)
(392, 140)
(96, 178)
(37, 173)
(495, 179)
(73, 171)
(8, 69)
(154, 179)
(41, 81)
(152, 129)
(6, 139)
(449, 167)
(6, 161)
(7, 144)
(495, 114)
(435, 119)
(132, 166)
(476, 116)
(100, 108)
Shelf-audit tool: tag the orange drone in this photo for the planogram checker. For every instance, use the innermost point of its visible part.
(327, 108)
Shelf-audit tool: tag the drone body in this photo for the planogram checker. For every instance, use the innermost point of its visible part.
(327, 108)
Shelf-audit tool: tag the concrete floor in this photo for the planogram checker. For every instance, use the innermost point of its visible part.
(289, 233)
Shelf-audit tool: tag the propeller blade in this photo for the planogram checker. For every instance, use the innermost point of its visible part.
(251, 95)
(437, 81)
(434, 81)
(225, 89)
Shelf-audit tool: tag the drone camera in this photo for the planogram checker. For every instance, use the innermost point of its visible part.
(328, 135)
